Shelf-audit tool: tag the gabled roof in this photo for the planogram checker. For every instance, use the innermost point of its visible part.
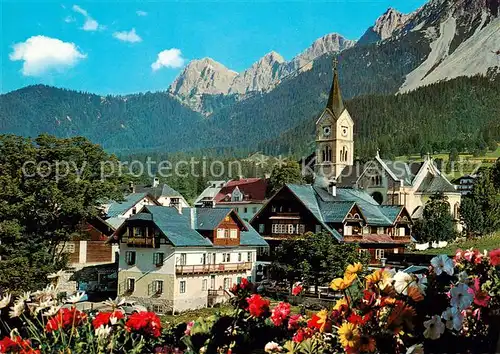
(176, 227)
(435, 183)
(391, 212)
(162, 190)
(335, 212)
(253, 189)
(210, 218)
(118, 208)
(401, 170)
(251, 237)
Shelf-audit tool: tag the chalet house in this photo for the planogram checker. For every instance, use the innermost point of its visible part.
(465, 184)
(349, 215)
(117, 212)
(245, 195)
(178, 259)
(164, 194)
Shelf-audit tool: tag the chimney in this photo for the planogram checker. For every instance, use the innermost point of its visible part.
(192, 216)
(131, 187)
(179, 207)
(332, 188)
(156, 182)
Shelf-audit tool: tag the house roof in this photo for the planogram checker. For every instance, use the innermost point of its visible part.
(253, 189)
(435, 183)
(208, 193)
(176, 227)
(118, 208)
(251, 237)
(335, 212)
(401, 170)
(391, 212)
(162, 190)
(210, 218)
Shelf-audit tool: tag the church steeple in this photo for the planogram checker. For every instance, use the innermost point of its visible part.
(335, 103)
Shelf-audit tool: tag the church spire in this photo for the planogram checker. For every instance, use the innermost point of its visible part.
(335, 103)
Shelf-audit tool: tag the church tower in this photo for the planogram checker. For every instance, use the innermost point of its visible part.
(334, 135)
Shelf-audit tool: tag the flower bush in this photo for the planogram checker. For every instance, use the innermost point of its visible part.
(453, 308)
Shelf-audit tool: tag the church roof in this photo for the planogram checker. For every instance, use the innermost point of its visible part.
(335, 103)
(434, 184)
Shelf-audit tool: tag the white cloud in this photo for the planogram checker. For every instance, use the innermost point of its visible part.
(69, 19)
(130, 36)
(169, 58)
(141, 13)
(90, 24)
(41, 54)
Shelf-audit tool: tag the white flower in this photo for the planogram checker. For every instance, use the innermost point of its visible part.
(46, 294)
(103, 332)
(443, 263)
(461, 297)
(56, 275)
(52, 311)
(5, 301)
(422, 283)
(73, 299)
(415, 349)
(402, 281)
(387, 278)
(17, 309)
(454, 318)
(463, 277)
(434, 327)
(113, 320)
(25, 297)
(114, 304)
(272, 347)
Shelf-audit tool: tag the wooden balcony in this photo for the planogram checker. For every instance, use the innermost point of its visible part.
(377, 238)
(213, 268)
(141, 241)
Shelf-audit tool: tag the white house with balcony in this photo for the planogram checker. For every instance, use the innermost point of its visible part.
(174, 260)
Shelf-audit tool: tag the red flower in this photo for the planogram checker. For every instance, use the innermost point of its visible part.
(65, 318)
(293, 322)
(481, 298)
(18, 345)
(146, 322)
(495, 257)
(280, 313)
(257, 306)
(302, 334)
(297, 289)
(244, 283)
(103, 318)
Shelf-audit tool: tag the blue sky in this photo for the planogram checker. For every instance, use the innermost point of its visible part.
(90, 46)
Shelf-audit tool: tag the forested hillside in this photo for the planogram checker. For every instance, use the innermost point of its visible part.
(463, 113)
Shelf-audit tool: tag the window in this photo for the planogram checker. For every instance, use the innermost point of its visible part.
(347, 230)
(227, 283)
(380, 230)
(401, 231)
(130, 285)
(226, 257)
(158, 286)
(239, 257)
(234, 233)
(245, 210)
(301, 229)
(204, 284)
(134, 211)
(182, 259)
(139, 232)
(379, 254)
(130, 257)
(69, 248)
(318, 229)
(290, 229)
(220, 233)
(396, 250)
(182, 286)
(249, 257)
(254, 210)
(226, 233)
(158, 259)
(327, 154)
(262, 228)
(366, 230)
(362, 251)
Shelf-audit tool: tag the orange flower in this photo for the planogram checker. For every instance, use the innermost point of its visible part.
(353, 269)
(340, 303)
(320, 321)
(415, 294)
(343, 283)
(374, 278)
(367, 344)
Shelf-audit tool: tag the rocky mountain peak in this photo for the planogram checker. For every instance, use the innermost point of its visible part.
(385, 26)
(203, 76)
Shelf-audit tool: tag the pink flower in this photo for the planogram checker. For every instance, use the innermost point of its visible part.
(495, 257)
(190, 325)
(280, 313)
(477, 313)
(459, 254)
(469, 254)
(481, 298)
(293, 322)
(297, 289)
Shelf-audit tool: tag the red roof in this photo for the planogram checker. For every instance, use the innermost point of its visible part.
(253, 189)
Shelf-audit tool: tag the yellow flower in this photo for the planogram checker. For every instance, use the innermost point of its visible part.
(338, 284)
(353, 268)
(340, 303)
(348, 335)
(374, 278)
(349, 279)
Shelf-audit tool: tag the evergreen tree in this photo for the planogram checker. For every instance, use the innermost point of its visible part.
(287, 173)
(437, 222)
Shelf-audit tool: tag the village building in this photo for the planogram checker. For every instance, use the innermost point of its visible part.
(179, 259)
(164, 194)
(349, 214)
(465, 184)
(245, 195)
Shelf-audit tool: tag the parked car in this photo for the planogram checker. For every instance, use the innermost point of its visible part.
(130, 307)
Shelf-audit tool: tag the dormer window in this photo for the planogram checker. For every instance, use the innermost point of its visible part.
(236, 196)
